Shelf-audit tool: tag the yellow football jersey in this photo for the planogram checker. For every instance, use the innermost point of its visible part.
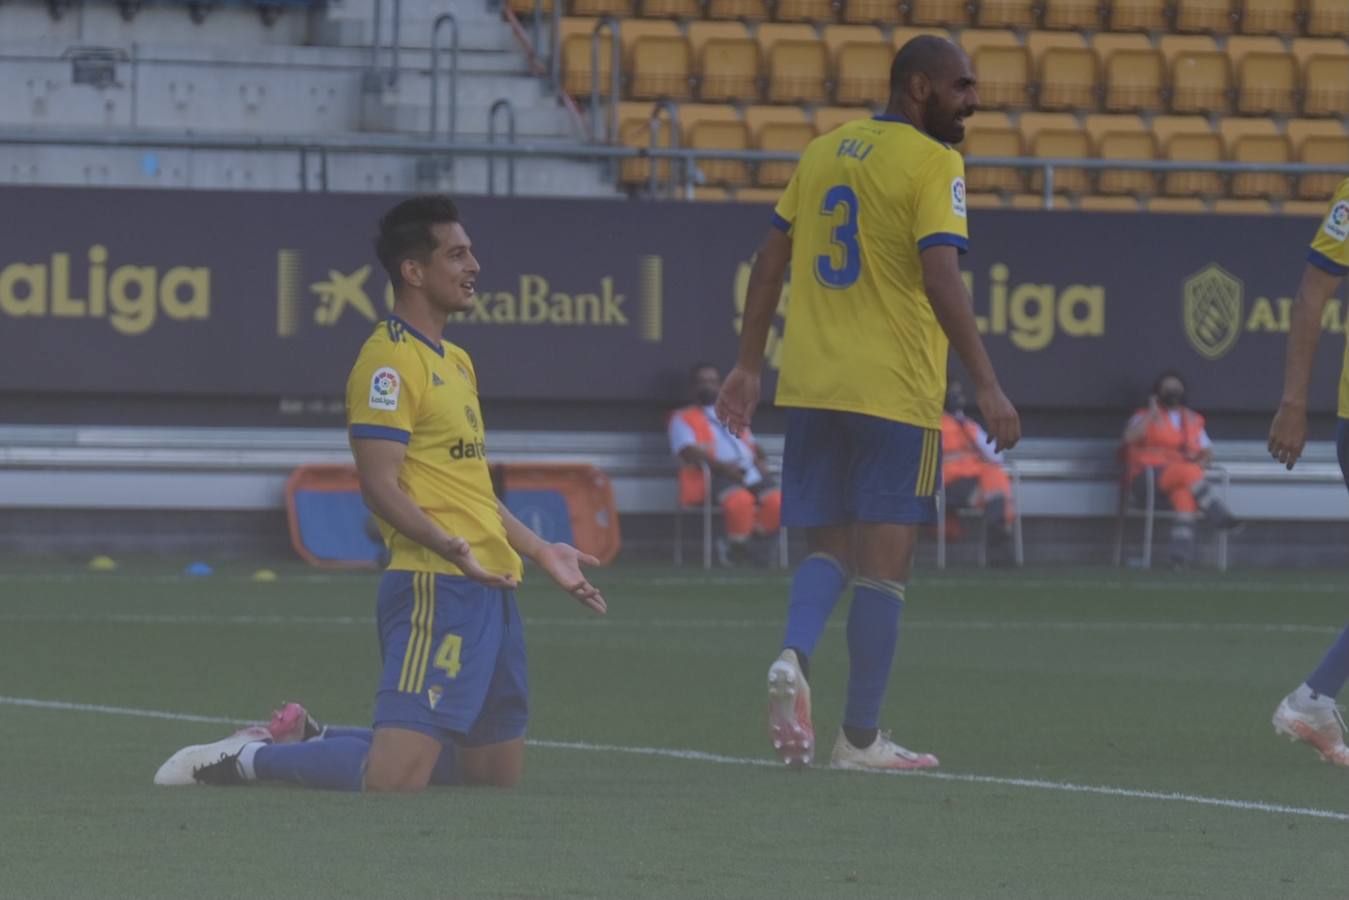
(409, 388)
(865, 199)
(1330, 251)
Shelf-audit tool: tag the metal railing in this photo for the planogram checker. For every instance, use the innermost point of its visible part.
(502, 105)
(671, 110)
(609, 131)
(395, 42)
(453, 102)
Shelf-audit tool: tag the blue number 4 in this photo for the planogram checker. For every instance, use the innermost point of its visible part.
(844, 236)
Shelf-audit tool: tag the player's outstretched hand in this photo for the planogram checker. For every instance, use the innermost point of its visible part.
(458, 552)
(563, 562)
(1000, 418)
(1288, 434)
(737, 400)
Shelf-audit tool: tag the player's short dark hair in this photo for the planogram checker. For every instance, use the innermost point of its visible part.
(405, 231)
(925, 53)
(698, 367)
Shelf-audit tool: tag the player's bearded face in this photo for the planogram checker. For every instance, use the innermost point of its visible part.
(945, 113)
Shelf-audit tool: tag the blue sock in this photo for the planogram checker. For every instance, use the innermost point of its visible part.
(816, 587)
(445, 773)
(873, 632)
(1330, 676)
(337, 764)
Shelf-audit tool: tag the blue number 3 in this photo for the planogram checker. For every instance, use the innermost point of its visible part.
(843, 236)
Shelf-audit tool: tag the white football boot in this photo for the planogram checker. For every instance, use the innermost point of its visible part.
(1313, 719)
(883, 755)
(789, 712)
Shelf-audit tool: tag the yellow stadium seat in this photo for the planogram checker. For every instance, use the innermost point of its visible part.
(749, 10)
(1106, 43)
(712, 135)
(1234, 128)
(994, 142)
(1039, 42)
(601, 8)
(972, 40)
(1187, 205)
(671, 9)
(1192, 147)
(702, 31)
(1323, 150)
(805, 11)
(1099, 125)
(781, 137)
(1306, 48)
(1068, 79)
(1062, 145)
(902, 35)
(635, 130)
(525, 8)
(837, 36)
(859, 11)
(1242, 207)
(1004, 77)
(575, 38)
(1135, 80)
(1032, 123)
(1167, 127)
(1123, 145)
(1006, 13)
(1327, 86)
(770, 34)
(1211, 16)
(711, 194)
(757, 195)
(1327, 18)
(1092, 203)
(827, 118)
(798, 72)
(1173, 45)
(1267, 85)
(1311, 208)
(976, 200)
(691, 114)
(1240, 46)
(1298, 130)
(660, 67)
(937, 12)
(1269, 148)
(1138, 15)
(1082, 15)
(1200, 82)
(1037, 201)
(756, 117)
(728, 69)
(1269, 17)
(862, 74)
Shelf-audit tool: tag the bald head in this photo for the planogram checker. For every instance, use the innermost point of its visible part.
(932, 85)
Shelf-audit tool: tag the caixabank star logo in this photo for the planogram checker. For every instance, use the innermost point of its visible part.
(1212, 311)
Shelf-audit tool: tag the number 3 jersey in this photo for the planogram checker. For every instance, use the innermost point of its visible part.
(421, 392)
(861, 337)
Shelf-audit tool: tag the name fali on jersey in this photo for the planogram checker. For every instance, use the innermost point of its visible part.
(855, 148)
(462, 449)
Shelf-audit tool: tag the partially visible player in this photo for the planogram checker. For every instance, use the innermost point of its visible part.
(450, 634)
(1309, 713)
(872, 223)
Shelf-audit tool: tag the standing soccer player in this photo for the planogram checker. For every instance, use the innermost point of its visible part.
(452, 701)
(1309, 713)
(871, 223)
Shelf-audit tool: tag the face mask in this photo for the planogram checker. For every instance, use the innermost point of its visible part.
(706, 396)
(1172, 398)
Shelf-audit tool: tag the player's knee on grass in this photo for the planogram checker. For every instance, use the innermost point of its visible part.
(495, 765)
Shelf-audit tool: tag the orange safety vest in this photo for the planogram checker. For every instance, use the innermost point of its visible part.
(960, 456)
(1164, 443)
(691, 486)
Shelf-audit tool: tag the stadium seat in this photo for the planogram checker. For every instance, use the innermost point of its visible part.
(671, 9)
(837, 36)
(1099, 125)
(1055, 144)
(984, 201)
(1193, 147)
(1240, 46)
(1242, 207)
(1173, 45)
(1269, 17)
(862, 74)
(700, 32)
(1311, 208)
(703, 194)
(1062, 203)
(1068, 78)
(728, 68)
(600, 8)
(1004, 77)
(798, 64)
(1093, 203)
(575, 37)
(727, 135)
(756, 117)
(1183, 205)
(769, 35)
(757, 195)
(827, 118)
(660, 67)
(1233, 128)
(994, 142)
(1040, 42)
(1201, 82)
(972, 40)
(902, 35)
(1306, 48)
(937, 12)
(1138, 15)
(1269, 148)
(1209, 16)
(1323, 150)
(635, 130)
(1032, 123)
(1327, 86)
(1106, 43)
(1327, 18)
(1126, 145)
(1084, 15)
(748, 10)
(862, 11)
(1135, 81)
(805, 11)
(1006, 14)
(1299, 130)
(525, 8)
(1167, 127)
(781, 137)
(1267, 85)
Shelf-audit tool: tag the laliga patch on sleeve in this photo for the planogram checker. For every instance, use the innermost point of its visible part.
(958, 197)
(1337, 223)
(384, 387)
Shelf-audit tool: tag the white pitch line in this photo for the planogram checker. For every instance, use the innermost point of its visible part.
(721, 759)
(665, 624)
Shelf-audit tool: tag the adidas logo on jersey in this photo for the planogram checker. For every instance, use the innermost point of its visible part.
(436, 380)
(462, 449)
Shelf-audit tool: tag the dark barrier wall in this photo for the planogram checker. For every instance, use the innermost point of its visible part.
(270, 294)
